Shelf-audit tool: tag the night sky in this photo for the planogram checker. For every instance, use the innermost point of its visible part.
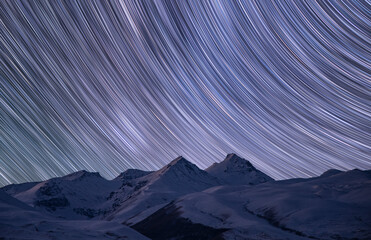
(107, 86)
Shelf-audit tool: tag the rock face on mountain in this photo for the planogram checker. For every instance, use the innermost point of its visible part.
(230, 200)
(237, 171)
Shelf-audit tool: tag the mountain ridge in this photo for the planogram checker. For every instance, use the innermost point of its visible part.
(230, 199)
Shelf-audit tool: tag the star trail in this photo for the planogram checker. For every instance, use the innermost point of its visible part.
(111, 85)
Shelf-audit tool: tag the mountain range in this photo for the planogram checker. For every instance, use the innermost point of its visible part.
(229, 200)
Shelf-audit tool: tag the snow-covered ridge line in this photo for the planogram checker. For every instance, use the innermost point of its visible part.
(130, 173)
(86, 194)
(229, 200)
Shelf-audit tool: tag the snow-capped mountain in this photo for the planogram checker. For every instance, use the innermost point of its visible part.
(237, 171)
(230, 200)
(84, 195)
(181, 172)
(147, 194)
(79, 195)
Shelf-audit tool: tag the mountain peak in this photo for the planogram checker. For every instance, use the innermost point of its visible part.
(179, 164)
(235, 170)
(235, 161)
(179, 160)
(179, 177)
(180, 169)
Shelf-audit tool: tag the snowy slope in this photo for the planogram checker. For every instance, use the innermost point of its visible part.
(147, 194)
(20, 221)
(237, 171)
(13, 189)
(217, 216)
(6, 201)
(79, 195)
(332, 206)
(328, 207)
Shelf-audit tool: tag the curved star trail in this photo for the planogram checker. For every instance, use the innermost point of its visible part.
(110, 85)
